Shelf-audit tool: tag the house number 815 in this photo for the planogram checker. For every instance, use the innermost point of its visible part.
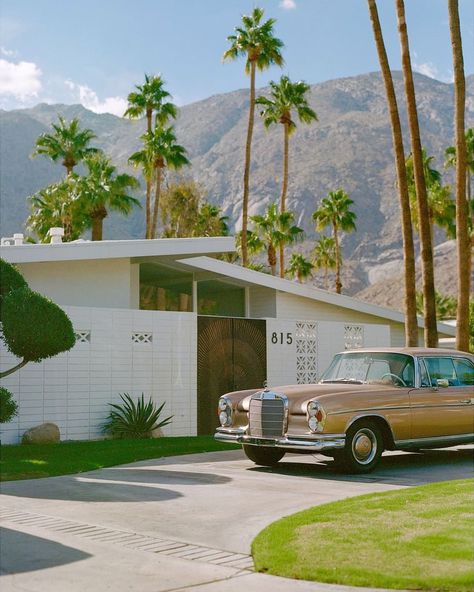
(282, 338)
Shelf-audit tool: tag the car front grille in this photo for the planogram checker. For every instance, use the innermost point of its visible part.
(266, 415)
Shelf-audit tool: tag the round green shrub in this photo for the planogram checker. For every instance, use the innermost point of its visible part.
(35, 328)
(8, 407)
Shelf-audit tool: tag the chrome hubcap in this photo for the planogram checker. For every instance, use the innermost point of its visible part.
(364, 446)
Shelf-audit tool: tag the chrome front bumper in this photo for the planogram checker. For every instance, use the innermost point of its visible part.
(316, 444)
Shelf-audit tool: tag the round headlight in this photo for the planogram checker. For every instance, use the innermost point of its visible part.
(223, 404)
(223, 418)
(313, 423)
(313, 406)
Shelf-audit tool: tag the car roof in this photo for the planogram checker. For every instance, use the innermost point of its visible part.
(413, 351)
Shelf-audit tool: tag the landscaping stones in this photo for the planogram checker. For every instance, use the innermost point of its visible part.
(46, 433)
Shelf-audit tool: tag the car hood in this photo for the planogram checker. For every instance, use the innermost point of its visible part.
(299, 395)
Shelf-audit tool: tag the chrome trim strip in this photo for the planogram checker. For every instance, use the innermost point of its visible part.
(326, 443)
(398, 407)
(375, 409)
(435, 441)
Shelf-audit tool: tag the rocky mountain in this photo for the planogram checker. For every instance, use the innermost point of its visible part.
(349, 147)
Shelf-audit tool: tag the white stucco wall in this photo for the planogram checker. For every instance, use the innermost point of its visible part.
(290, 306)
(110, 283)
(74, 389)
(298, 351)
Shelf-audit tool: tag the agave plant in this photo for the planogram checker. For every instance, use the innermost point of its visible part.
(134, 419)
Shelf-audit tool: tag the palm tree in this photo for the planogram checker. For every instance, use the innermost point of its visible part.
(462, 235)
(441, 207)
(148, 99)
(57, 205)
(286, 97)
(160, 151)
(103, 190)
(411, 323)
(274, 229)
(324, 256)
(210, 221)
(300, 267)
(450, 161)
(68, 143)
(256, 42)
(431, 333)
(334, 211)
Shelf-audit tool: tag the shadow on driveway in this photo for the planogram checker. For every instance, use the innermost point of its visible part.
(428, 466)
(22, 552)
(112, 485)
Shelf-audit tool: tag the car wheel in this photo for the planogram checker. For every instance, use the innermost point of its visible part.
(363, 449)
(267, 457)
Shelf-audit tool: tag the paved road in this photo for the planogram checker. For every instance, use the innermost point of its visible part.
(179, 524)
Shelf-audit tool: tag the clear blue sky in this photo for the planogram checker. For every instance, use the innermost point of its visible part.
(94, 51)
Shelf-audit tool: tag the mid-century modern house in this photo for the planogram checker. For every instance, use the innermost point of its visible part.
(168, 318)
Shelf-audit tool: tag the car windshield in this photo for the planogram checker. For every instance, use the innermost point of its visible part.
(372, 367)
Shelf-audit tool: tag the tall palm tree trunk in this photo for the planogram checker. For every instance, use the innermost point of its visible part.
(411, 324)
(429, 308)
(272, 258)
(248, 147)
(149, 181)
(148, 208)
(154, 223)
(338, 260)
(462, 237)
(284, 190)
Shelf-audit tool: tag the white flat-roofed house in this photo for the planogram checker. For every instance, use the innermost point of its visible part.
(167, 318)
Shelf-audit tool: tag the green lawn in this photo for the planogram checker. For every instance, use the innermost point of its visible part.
(419, 538)
(46, 460)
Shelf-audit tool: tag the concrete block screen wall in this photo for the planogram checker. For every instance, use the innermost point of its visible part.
(155, 352)
(117, 351)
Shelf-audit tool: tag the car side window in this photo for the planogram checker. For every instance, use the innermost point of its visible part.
(441, 369)
(424, 376)
(464, 371)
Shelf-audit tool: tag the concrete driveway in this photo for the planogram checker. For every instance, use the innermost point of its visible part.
(180, 523)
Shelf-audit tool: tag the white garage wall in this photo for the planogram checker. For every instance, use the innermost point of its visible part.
(74, 388)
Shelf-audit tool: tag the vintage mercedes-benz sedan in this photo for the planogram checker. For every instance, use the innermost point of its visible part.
(366, 402)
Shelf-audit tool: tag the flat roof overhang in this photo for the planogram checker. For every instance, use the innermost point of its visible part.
(118, 249)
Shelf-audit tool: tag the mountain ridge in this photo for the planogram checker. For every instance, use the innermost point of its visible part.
(349, 147)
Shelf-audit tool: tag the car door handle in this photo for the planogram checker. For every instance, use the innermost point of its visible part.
(467, 401)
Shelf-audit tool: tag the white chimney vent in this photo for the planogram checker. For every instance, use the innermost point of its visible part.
(10, 241)
(56, 235)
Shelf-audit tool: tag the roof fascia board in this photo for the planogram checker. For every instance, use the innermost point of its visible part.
(119, 249)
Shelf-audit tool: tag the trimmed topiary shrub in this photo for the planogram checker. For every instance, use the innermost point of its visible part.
(8, 407)
(34, 328)
(10, 279)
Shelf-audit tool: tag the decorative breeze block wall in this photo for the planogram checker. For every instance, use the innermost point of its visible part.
(116, 351)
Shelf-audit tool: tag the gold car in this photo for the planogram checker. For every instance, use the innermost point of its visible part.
(366, 402)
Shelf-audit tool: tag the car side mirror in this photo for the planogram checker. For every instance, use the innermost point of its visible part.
(442, 382)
